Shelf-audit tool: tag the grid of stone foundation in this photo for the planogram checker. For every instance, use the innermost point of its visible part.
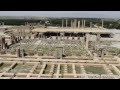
(56, 70)
(48, 47)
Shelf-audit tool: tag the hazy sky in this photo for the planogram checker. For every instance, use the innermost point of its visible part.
(97, 14)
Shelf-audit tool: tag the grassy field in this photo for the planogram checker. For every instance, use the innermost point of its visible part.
(94, 70)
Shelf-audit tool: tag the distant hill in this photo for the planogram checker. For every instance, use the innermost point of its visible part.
(43, 18)
(22, 17)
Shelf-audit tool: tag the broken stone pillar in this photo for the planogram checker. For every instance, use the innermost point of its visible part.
(18, 53)
(16, 40)
(39, 36)
(84, 23)
(98, 37)
(23, 53)
(29, 37)
(57, 36)
(6, 46)
(11, 39)
(62, 23)
(24, 31)
(75, 23)
(0, 43)
(25, 23)
(95, 57)
(42, 36)
(78, 24)
(102, 24)
(59, 53)
(20, 32)
(102, 53)
(90, 24)
(23, 37)
(71, 24)
(32, 36)
(20, 38)
(72, 37)
(87, 40)
(3, 43)
(61, 34)
(66, 22)
(2, 23)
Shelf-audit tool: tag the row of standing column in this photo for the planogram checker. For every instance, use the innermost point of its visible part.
(75, 24)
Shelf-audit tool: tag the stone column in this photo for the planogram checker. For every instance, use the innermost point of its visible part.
(78, 24)
(57, 35)
(84, 23)
(20, 38)
(23, 53)
(59, 53)
(16, 40)
(24, 31)
(71, 24)
(18, 53)
(102, 24)
(98, 37)
(75, 23)
(102, 53)
(95, 58)
(66, 23)
(60, 35)
(72, 37)
(25, 23)
(6, 46)
(62, 23)
(2, 23)
(20, 32)
(87, 40)
(90, 24)
(39, 35)
(11, 39)
(3, 42)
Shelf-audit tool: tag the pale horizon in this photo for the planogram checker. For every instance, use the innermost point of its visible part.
(78, 14)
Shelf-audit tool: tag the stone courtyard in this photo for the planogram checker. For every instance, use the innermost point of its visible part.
(75, 52)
